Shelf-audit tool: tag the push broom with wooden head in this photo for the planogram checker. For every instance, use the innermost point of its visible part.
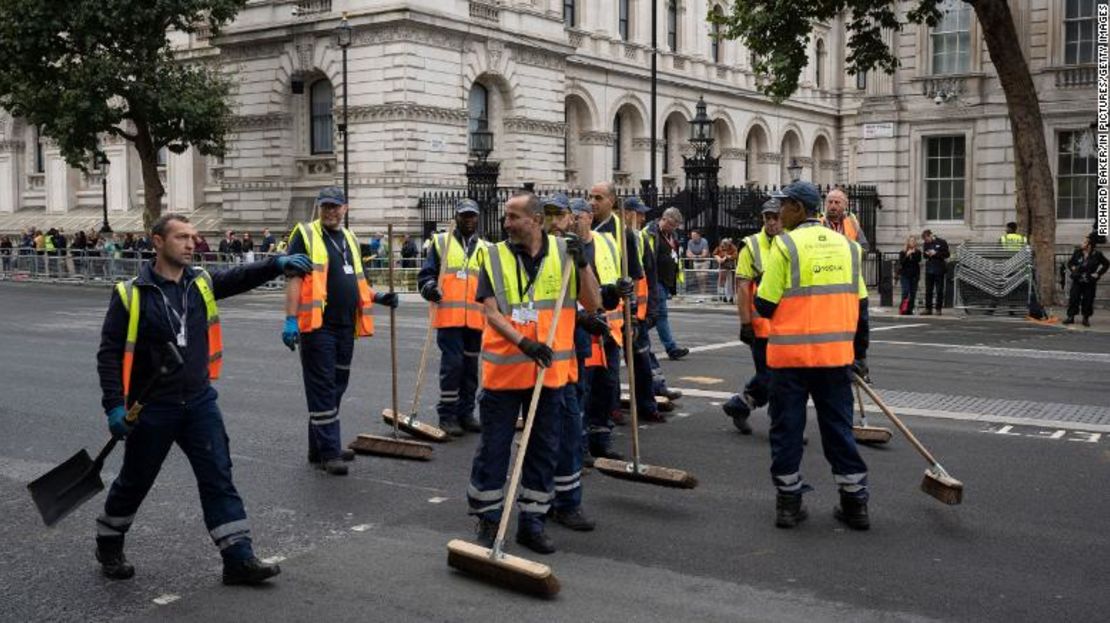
(937, 482)
(394, 446)
(409, 423)
(493, 563)
(634, 470)
(868, 434)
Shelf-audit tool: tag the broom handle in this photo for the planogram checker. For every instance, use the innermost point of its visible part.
(894, 418)
(633, 411)
(431, 321)
(392, 335)
(859, 401)
(518, 463)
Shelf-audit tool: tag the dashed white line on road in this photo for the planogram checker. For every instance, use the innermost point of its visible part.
(168, 598)
(891, 327)
(437, 500)
(362, 527)
(999, 351)
(722, 345)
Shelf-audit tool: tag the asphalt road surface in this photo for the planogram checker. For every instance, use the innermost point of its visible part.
(1018, 412)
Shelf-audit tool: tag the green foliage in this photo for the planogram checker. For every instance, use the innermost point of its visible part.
(778, 34)
(81, 68)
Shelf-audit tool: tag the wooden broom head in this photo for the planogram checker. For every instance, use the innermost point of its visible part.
(412, 426)
(518, 574)
(390, 447)
(871, 434)
(943, 487)
(648, 474)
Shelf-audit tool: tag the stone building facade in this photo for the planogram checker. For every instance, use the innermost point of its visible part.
(564, 86)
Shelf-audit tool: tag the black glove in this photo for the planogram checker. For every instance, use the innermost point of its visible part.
(576, 251)
(859, 367)
(626, 287)
(610, 296)
(594, 324)
(389, 299)
(747, 333)
(650, 321)
(540, 353)
(431, 292)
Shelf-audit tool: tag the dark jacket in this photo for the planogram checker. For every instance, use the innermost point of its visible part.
(666, 265)
(1082, 269)
(937, 264)
(155, 330)
(909, 264)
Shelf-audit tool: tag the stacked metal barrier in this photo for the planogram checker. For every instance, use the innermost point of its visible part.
(992, 277)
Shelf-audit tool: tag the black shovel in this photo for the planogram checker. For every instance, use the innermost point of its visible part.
(60, 491)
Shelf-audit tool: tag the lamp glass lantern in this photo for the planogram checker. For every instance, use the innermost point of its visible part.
(701, 127)
(794, 170)
(343, 33)
(481, 143)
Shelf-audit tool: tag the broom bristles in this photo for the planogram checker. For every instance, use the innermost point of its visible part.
(871, 434)
(416, 428)
(648, 474)
(943, 487)
(519, 574)
(387, 446)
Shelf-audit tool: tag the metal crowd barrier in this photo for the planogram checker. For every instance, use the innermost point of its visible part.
(97, 268)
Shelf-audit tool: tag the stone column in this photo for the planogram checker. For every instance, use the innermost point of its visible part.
(770, 168)
(61, 182)
(10, 154)
(732, 166)
(598, 147)
(185, 181)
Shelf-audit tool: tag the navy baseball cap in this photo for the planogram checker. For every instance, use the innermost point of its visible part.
(804, 193)
(466, 206)
(333, 195)
(636, 204)
(771, 205)
(578, 205)
(558, 200)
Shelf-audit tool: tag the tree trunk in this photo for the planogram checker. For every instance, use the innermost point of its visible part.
(152, 183)
(1036, 203)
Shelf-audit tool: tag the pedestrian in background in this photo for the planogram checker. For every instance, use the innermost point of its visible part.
(936, 264)
(725, 254)
(697, 251)
(1086, 266)
(662, 240)
(6, 251)
(202, 249)
(268, 241)
(248, 247)
(909, 272)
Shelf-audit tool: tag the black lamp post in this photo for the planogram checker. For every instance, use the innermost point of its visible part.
(343, 39)
(481, 179)
(102, 162)
(794, 170)
(701, 172)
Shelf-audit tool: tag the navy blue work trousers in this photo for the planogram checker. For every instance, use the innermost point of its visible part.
(459, 348)
(326, 363)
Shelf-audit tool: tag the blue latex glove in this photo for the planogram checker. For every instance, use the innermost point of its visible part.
(294, 265)
(389, 299)
(117, 423)
(291, 333)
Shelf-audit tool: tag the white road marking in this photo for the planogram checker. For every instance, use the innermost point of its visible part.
(694, 392)
(1082, 436)
(702, 380)
(891, 327)
(999, 351)
(168, 598)
(362, 527)
(437, 500)
(273, 560)
(722, 345)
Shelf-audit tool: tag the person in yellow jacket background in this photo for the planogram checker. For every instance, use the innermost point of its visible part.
(815, 297)
(324, 311)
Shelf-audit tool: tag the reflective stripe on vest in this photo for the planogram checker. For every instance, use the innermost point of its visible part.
(504, 366)
(607, 261)
(756, 244)
(815, 322)
(1013, 241)
(459, 307)
(849, 224)
(314, 286)
(642, 293)
(130, 295)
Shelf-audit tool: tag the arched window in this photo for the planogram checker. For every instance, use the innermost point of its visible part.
(477, 107)
(672, 26)
(715, 36)
(40, 159)
(320, 102)
(617, 142)
(666, 147)
(819, 68)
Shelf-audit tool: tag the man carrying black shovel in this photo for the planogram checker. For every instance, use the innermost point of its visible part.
(169, 301)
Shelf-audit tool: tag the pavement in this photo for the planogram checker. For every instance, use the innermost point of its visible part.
(1016, 410)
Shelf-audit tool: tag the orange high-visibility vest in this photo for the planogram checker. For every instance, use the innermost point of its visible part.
(607, 261)
(597, 354)
(314, 286)
(460, 286)
(642, 282)
(758, 245)
(851, 226)
(816, 281)
(129, 296)
(504, 366)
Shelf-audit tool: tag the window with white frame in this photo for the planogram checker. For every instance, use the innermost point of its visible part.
(162, 156)
(666, 147)
(951, 39)
(1076, 179)
(715, 35)
(622, 19)
(40, 156)
(944, 178)
(477, 111)
(1079, 32)
(861, 80)
(617, 142)
(672, 26)
(569, 14)
(320, 102)
(819, 67)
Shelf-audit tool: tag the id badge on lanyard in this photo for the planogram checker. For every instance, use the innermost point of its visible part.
(527, 313)
(348, 269)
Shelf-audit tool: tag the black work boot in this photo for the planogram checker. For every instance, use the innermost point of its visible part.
(1069, 320)
(573, 518)
(471, 424)
(789, 510)
(345, 454)
(250, 571)
(853, 512)
(737, 409)
(335, 467)
(486, 532)
(538, 542)
(1086, 321)
(451, 427)
(605, 452)
(113, 564)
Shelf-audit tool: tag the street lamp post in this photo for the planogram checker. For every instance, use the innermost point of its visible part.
(102, 162)
(702, 169)
(794, 170)
(343, 38)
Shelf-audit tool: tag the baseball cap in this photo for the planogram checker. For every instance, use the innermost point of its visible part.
(466, 206)
(578, 205)
(804, 193)
(558, 200)
(331, 194)
(636, 204)
(771, 205)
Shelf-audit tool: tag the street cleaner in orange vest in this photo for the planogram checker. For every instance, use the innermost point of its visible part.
(519, 286)
(172, 302)
(814, 294)
(753, 328)
(459, 318)
(324, 312)
(838, 219)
